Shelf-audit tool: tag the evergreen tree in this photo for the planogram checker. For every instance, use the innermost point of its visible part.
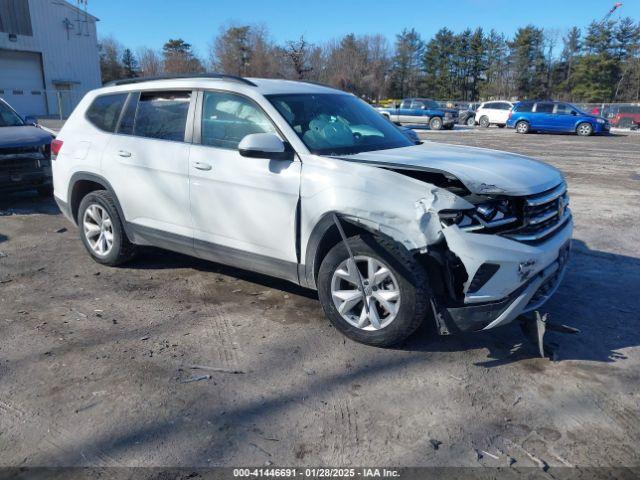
(406, 63)
(528, 63)
(129, 64)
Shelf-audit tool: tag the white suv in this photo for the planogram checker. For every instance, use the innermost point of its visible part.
(493, 113)
(310, 184)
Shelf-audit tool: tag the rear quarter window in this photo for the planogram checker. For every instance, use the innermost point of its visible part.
(105, 111)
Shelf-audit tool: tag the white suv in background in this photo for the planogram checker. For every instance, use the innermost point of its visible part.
(311, 184)
(493, 113)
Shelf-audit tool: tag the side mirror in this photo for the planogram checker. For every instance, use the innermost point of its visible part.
(265, 145)
(30, 120)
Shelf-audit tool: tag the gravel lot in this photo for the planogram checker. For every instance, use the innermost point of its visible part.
(95, 361)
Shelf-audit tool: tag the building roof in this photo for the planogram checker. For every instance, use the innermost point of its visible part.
(74, 8)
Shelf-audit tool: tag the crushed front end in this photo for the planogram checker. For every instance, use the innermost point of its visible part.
(25, 167)
(501, 259)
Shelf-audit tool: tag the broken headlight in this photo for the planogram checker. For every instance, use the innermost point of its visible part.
(486, 215)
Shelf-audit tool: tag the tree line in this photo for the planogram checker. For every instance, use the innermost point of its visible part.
(599, 64)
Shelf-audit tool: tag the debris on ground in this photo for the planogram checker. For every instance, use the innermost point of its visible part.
(61, 230)
(435, 443)
(216, 369)
(196, 379)
(309, 371)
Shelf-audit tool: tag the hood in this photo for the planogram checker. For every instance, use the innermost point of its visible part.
(481, 170)
(23, 136)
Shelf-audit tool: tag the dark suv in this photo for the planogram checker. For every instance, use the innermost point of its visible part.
(548, 116)
(25, 154)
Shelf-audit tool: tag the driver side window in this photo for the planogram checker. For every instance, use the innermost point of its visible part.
(227, 118)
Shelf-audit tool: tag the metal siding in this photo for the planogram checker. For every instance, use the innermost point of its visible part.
(65, 56)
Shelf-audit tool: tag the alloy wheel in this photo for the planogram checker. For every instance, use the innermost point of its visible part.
(381, 293)
(98, 229)
(585, 129)
(522, 127)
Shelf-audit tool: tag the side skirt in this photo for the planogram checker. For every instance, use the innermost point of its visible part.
(216, 253)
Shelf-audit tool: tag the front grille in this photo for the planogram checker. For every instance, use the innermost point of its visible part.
(541, 215)
(22, 159)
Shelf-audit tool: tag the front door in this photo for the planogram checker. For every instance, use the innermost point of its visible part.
(243, 209)
(542, 118)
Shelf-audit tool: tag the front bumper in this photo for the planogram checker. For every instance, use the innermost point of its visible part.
(528, 276)
(12, 182)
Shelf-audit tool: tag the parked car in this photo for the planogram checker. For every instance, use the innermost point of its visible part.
(310, 184)
(546, 116)
(625, 116)
(25, 158)
(467, 117)
(493, 113)
(422, 111)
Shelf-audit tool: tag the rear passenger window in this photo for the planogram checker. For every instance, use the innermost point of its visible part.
(129, 114)
(544, 108)
(525, 107)
(505, 106)
(105, 111)
(228, 118)
(162, 115)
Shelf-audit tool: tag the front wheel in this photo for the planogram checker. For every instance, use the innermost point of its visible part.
(522, 127)
(394, 299)
(584, 129)
(435, 123)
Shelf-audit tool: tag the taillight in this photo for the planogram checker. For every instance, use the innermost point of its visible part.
(56, 145)
(510, 113)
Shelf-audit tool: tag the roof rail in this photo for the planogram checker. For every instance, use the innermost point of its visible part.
(221, 76)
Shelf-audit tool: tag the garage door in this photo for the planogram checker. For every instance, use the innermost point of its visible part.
(21, 82)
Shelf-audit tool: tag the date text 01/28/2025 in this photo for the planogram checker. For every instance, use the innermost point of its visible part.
(316, 472)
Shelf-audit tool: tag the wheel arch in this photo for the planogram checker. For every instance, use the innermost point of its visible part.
(325, 235)
(83, 183)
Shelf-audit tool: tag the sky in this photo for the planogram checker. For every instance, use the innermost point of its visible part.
(137, 23)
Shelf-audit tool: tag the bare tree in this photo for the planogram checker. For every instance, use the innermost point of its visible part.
(297, 51)
(150, 62)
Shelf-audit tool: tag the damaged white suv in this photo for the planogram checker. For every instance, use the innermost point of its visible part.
(310, 184)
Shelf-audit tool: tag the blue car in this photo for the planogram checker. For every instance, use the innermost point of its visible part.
(25, 153)
(546, 116)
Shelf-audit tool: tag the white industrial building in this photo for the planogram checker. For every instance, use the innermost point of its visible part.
(48, 55)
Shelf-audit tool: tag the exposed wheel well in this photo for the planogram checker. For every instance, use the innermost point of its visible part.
(79, 190)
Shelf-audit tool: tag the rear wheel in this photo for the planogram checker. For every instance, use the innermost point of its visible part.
(484, 121)
(471, 121)
(522, 127)
(101, 229)
(584, 129)
(500, 125)
(394, 301)
(435, 123)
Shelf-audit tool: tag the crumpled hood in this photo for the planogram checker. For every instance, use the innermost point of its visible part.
(23, 136)
(481, 170)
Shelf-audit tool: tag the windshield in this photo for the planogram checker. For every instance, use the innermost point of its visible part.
(337, 124)
(9, 118)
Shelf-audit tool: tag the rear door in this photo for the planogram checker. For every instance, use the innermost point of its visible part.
(146, 163)
(243, 209)
(542, 116)
(405, 113)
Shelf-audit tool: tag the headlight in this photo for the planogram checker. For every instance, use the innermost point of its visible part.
(601, 120)
(487, 215)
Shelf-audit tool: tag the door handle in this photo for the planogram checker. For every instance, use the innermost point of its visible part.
(202, 165)
(124, 153)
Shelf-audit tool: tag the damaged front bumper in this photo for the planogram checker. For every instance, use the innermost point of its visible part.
(526, 278)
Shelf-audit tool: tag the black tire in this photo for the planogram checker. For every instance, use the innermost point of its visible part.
(484, 121)
(500, 125)
(584, 129)
(523, 127)
(122, 249)
(435, 123)
(411, 278)
(471, 122)
(450, 126)
(45, 191)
